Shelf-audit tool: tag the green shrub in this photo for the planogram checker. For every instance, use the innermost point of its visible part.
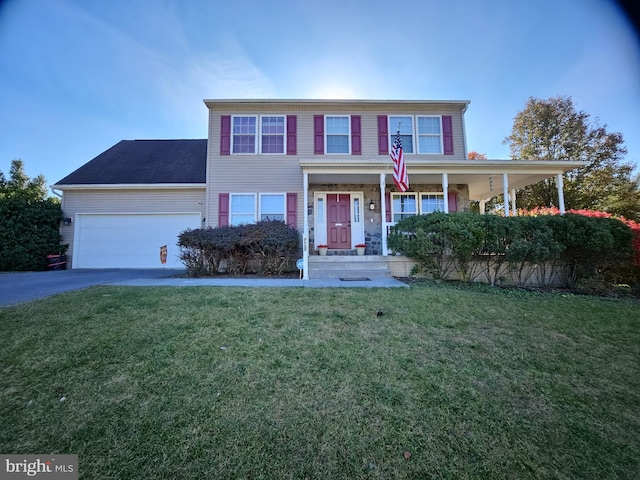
(29, 222)
(532, 248)
(425, 239)
(270, 244)
(593, 247)
(571, 248)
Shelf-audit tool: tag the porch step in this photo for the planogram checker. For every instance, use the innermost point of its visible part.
(348, 266)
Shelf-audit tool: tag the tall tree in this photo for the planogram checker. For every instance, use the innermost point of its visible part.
(29, 221)
(554, 130)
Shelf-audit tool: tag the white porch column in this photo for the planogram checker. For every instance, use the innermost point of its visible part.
(505, 190)
(560, 185)
(483, 207)
(305, 228)
(514, 210)
(383, 214)
(445, 191)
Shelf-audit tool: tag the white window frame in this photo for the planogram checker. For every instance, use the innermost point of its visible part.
(261, 211)
(418, 197)
(284, 134)
(255, 135)
(348, 134)
(232, 213)
(419, 135)
(392, 206)
(437, 194)
(393, 128)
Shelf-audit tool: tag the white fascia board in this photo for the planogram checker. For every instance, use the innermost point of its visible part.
(324, 165)
(249, 104)
(132, 186)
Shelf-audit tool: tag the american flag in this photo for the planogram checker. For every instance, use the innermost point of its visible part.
(399, 168)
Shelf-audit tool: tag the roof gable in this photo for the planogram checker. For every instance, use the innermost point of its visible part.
(145, 162)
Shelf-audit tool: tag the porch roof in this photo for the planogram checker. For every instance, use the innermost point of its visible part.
(484, 177)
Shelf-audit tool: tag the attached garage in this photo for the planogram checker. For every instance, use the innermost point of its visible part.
(132, 199)
(129, 240)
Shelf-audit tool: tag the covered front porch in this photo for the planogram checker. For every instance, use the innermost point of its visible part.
(350, 203)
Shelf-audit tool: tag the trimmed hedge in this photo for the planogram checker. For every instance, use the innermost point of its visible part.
(268, 245)
(566, 249)
(29, 231)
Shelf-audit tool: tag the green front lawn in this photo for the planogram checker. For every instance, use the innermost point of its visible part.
(239, 383)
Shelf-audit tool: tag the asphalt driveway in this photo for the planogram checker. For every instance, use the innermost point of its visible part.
(19, 287)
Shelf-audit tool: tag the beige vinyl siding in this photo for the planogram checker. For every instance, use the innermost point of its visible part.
(253, 173)
(128, 201)
(258, 173)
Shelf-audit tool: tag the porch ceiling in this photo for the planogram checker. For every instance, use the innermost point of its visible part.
(484, 177)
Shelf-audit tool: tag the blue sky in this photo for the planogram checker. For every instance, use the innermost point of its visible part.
(77, 76)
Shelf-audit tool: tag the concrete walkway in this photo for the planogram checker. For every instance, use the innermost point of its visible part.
(265, 282)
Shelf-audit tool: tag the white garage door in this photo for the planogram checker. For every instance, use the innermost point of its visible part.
(129, 241)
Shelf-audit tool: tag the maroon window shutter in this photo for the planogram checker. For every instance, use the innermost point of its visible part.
(383, 135)
(291, 135)
(318, 134)
(452, 198)
(225, 135)
(223, 209)
(387, 201)
(447, 134)
(356, 143)
(292, 217)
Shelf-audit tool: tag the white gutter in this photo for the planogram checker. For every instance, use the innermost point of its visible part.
(53, 190)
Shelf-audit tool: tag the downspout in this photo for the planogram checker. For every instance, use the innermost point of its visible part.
(53, 190)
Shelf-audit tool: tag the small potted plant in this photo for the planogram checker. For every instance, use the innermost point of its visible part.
(322, 249)
(360, 248)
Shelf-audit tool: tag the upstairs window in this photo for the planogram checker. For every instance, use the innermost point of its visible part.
(245, 134)
(429, 135)
(272, 134)
(405, 125)
(337, 134)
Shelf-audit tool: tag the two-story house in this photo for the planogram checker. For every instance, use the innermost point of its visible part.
(322, 166)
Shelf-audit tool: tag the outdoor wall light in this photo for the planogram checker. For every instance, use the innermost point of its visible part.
(66, 221)
(372, 206)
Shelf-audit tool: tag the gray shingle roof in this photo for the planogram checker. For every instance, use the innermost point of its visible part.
(144, 162)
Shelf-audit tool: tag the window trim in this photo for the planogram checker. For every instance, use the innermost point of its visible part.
(418, 197)
(284, 204)
(392, 132)
(257, 141)
(284, 134)
(232, 213)
(440, 194)
(255, 135)
(441, 135)
(326, 134)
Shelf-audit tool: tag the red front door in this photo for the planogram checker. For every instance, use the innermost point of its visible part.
(339, 216)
